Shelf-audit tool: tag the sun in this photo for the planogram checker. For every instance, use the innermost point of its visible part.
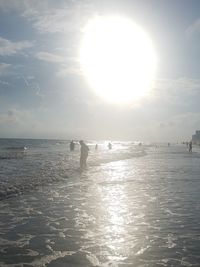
(118, 59)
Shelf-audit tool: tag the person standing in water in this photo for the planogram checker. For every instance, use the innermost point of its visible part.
(84, 154)
(72, 145)
(190, 146)
(109, 145)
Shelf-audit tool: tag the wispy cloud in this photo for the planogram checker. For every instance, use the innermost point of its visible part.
(50, 16)
(51, 21)
(49, 57)
(8, 47)
(33, 85)
(65, 18)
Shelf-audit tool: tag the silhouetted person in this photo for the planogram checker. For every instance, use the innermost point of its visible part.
(190, 146)
(72, 145)
(109, 145)
(84, 154)
(96, 147)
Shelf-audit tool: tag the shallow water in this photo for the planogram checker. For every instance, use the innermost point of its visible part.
(133, 206)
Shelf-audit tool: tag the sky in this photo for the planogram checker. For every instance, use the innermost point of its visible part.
(44, 94)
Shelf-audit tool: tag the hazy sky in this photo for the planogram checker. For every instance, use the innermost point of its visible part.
(43, 93)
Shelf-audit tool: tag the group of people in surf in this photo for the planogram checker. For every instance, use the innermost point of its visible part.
(84, 151)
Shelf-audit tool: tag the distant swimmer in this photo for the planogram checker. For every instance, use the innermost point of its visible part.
(109, 145)
(96, 147)
(190, 146)
(84, 154)
(72, 145)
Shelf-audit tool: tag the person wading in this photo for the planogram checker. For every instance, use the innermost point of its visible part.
(84, 154)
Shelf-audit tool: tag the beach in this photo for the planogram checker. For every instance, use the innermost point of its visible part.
(133, 205)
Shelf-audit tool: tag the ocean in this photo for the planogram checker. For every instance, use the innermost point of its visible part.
(133, 205)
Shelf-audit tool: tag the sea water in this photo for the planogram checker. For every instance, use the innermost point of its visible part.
(133, 205)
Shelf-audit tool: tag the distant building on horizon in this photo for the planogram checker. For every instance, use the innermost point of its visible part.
(196, 137)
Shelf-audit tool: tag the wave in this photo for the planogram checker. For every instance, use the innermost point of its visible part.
(26, 184)
(35, 170)
(18, 148)
(12, 155)
(13, 152)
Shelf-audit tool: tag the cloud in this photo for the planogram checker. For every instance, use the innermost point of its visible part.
(9, 117)
(49, 57)
(22, 5)
(50, 16)
(17, 116)
(51, 21)
(194, 27)
(63, 18)
(18, 122)
(4, 68)
(4, 82)
(66, 70)
(8, 47)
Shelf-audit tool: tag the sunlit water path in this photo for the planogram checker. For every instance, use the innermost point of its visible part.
(141, 211)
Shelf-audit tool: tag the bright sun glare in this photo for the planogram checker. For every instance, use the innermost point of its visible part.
(117, 58)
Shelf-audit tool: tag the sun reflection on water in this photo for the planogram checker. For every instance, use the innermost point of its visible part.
(116, 203)
(114, 200)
